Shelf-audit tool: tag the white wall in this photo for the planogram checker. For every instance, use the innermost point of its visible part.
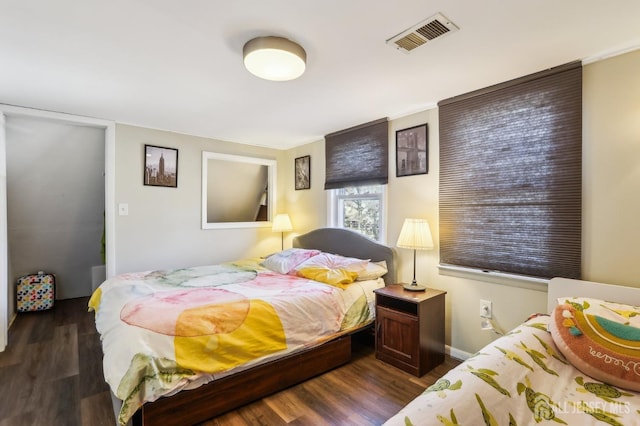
(611, 205)
(163, 228)
(55, 202)
(307, 208)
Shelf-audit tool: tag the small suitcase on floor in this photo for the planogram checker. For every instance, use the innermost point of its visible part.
(36, 292)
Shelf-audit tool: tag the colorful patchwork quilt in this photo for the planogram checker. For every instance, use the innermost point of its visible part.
(520, 379)
(165, 331)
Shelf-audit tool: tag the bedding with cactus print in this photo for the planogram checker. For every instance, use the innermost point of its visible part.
(520, 379)
(164, 331)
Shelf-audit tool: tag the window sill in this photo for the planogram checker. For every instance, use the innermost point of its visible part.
(512, 280)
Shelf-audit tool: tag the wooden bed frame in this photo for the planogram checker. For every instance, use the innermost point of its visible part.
(193, 406)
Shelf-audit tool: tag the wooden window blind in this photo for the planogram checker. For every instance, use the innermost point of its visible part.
(511, 176)
(358, 156)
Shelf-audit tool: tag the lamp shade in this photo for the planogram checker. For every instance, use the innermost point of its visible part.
(415, 234)
(281, 223)
(274, 58)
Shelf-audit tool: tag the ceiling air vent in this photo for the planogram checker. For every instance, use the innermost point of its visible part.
(427, 30)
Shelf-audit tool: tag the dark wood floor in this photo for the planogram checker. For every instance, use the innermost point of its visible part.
(51, 374)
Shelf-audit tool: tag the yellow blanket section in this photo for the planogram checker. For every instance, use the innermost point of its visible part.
(261, 333)
(336, 277)
(94, 301)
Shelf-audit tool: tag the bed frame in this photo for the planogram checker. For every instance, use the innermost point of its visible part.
(564, 287)
(194, 406)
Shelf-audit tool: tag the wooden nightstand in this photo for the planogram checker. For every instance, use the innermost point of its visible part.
(410, 328)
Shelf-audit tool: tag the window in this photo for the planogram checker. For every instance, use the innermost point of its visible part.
(359, 208)
(357, 165)
(357, 156)
(510, 176)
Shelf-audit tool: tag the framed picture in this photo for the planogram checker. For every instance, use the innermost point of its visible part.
(160, 166)
(412, 154)
(303, 172)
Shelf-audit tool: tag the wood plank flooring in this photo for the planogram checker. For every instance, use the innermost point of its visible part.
(51, 374)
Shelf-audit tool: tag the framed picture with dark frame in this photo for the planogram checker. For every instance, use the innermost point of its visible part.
(412, 151)
(160, 166)
(303, 172)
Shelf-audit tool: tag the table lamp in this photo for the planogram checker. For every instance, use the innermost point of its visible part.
(416, 235)
(282, 224)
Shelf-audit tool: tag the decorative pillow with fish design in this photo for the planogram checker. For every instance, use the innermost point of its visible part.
(604, 349)
(618, 312)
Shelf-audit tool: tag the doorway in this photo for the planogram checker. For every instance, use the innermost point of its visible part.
(20, 127)
(55, 202)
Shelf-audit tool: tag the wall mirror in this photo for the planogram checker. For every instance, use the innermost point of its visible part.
(237, 191)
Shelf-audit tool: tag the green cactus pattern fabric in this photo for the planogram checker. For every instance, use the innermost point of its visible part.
(520, 379)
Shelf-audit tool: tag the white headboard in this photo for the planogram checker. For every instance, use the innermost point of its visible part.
(564, 287)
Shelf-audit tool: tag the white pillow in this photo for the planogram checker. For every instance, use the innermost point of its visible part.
(285, 261)
(373, 271)
(334, 261)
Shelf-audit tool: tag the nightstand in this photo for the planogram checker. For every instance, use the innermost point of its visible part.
(410, 328)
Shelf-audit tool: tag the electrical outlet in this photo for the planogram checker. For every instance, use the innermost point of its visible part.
(486, 310)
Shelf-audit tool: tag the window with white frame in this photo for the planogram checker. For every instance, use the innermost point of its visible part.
(356, 175)
(360, 209)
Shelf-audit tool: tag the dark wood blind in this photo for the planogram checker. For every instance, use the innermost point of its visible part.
(358, 156)
(511, 176)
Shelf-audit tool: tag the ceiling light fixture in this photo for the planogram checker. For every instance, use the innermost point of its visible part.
(274, 58)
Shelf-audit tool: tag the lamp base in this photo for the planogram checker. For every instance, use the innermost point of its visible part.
(414, 287)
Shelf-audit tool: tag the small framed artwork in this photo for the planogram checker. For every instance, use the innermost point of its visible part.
(160, 166)
(303, 172)
(412, 154)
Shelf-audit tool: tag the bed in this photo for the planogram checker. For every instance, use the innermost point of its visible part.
(578, 365)
(183, 346)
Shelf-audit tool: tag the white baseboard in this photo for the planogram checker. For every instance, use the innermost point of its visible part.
(457, 353)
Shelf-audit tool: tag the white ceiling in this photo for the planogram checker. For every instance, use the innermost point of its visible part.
(177, 65)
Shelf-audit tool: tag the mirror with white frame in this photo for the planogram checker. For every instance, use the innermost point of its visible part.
(237, 191)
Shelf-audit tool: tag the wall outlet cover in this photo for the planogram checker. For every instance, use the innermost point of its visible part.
(486, 310)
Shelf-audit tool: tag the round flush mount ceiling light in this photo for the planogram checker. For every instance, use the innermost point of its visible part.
(274, 58)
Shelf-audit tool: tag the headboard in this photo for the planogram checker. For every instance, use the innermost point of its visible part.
(564, 287)
(351, 244)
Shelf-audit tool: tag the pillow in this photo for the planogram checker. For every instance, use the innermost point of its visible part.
(373, 271)
(618, 312)
(599, 347)
(283, 262)
(334, 261)
(336, 277)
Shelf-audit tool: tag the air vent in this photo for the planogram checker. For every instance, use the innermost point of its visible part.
(427, 30)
